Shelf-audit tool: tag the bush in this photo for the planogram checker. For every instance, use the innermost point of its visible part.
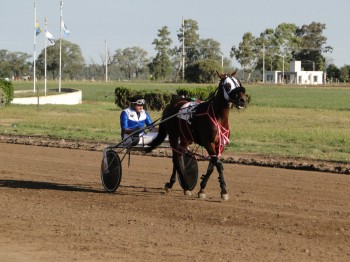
(197, 93)
(7, 91)
(122, 95)
(156, 100)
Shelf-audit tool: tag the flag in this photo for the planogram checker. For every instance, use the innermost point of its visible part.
(37, 28)
(65, 29)
(50, 37)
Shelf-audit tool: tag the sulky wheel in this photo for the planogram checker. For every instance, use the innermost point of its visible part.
(191, 171)
(111, 171)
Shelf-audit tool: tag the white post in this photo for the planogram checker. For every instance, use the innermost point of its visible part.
(34, 54)
(283, 69)
(60, 66)
(45, 64)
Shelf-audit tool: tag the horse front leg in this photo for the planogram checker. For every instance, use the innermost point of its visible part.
(214, 162)
(168, 186)
(220, 168)
(205, 178)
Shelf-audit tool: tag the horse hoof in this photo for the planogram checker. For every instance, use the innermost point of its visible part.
(201, 195)
(224, 197)
(188, 193)
(167, 189)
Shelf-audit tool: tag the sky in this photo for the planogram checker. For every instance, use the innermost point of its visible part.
(129, 23)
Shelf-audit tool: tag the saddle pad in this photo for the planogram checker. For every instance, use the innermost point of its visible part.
(185, 111)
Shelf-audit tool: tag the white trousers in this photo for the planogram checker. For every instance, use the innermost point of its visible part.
(144, 138)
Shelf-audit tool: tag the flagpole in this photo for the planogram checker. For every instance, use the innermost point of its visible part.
(45, 64)
(60, 70)
(34, 54)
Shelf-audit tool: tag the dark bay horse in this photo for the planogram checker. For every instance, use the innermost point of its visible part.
(207, 126)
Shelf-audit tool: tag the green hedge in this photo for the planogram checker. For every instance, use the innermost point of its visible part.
(201, 93)
(6, 92)
(157, 100)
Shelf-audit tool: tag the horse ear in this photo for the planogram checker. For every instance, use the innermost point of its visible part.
(234, 73)
(222, 76)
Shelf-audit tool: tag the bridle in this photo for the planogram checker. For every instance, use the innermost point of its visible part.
(233, 85)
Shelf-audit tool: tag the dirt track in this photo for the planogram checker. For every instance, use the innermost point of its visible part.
(53, 208)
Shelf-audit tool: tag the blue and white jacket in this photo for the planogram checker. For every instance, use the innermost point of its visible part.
(130, 120)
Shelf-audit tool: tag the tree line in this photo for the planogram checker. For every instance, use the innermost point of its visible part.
(193, 60)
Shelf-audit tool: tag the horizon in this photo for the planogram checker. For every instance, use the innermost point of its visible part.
(123, 25)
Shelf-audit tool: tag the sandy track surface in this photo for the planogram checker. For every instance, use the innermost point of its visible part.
(53, 208)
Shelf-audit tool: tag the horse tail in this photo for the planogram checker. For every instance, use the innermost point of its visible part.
(162, 133)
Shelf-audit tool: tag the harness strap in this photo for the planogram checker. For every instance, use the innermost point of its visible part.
(223, 133)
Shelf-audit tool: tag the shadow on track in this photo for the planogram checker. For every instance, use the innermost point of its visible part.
(44, 185)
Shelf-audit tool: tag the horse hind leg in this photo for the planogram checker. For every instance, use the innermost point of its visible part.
(180, 167)
(168, 186)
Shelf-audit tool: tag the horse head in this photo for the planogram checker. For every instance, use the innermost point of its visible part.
(233, 90)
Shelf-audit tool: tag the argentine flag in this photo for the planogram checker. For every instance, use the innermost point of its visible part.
(50, 37)
(65, 29)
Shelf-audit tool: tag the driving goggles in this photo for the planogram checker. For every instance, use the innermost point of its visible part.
(139, 102)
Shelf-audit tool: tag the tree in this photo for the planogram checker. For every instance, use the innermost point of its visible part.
(287, 42)
(246, 53)
(160, 67)
(5, 70)
(14, 64)
(345, 73)
(284, 43)
(72, 60)
(203, 71)
(110, 62)
(267, 41)
(196, 50)
(132, 61)
(333, 72)
(209, 49)
(312, 46)
(188, 34)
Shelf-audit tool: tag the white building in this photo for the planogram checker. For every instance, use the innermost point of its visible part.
(295, 76)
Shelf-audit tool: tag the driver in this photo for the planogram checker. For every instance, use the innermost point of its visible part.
(134, 118)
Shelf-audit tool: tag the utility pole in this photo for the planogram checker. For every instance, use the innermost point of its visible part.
(263, 63)
(106, 65)
(183, 49)
(60, 63)
(34, 54)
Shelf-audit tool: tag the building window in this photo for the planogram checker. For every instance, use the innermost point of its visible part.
(315, 79)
